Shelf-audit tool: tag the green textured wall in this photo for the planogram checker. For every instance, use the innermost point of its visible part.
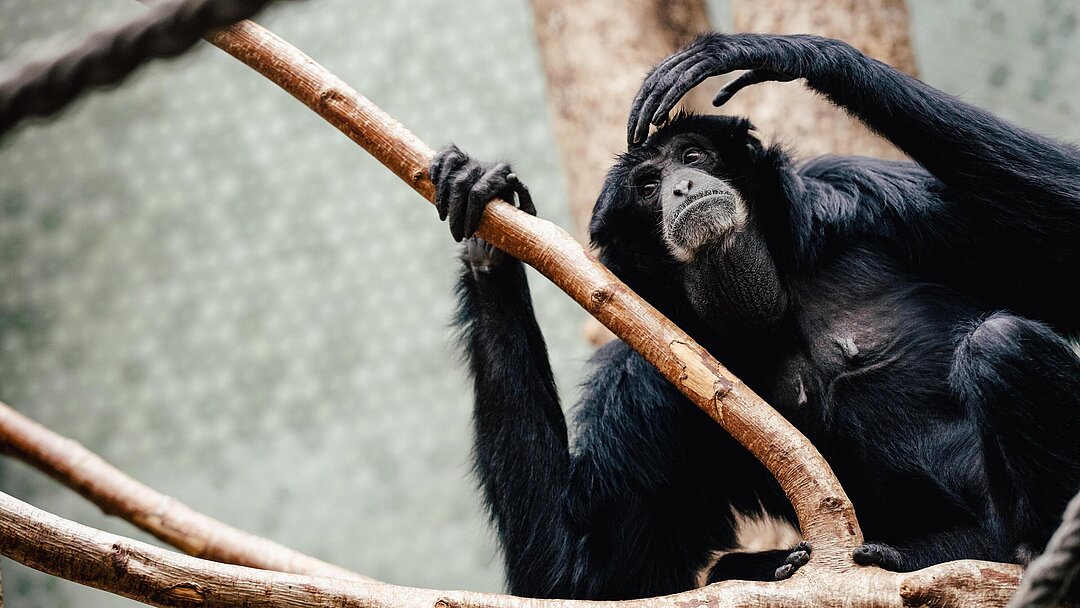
(217, 292)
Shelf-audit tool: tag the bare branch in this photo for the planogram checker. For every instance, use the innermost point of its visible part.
(165, 517)
(162, 578)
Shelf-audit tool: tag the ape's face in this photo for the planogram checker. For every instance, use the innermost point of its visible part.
(675, 221)
(685, 178)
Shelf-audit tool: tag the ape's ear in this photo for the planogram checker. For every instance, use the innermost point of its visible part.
(748, 133)
(607, 202)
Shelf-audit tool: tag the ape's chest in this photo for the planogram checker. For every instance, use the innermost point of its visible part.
(900, 330)
(879, 354)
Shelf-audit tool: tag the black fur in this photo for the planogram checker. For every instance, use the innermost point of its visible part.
(919, 340)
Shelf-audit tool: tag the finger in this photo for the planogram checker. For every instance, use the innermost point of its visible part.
(439, 161)
(691, 76)
(459, 197)
(656, 93)
(451, 164)
(744, 80)
(486, 188)
(634, 120)
(784, 572)
(798, 559)
(525, 201)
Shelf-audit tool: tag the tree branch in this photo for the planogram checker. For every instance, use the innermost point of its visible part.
(825, 514)
(163, 578)
(165, 517)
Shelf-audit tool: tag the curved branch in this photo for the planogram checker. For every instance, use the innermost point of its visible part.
(163, 516)
(825, 514)
(163, 578)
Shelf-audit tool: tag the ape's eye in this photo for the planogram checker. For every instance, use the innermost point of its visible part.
(648, 189)
(692, 155)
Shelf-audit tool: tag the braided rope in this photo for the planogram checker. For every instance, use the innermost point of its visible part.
(41, 87)
(1049, 578)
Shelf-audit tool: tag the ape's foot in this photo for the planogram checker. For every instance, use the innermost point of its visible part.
(875, 554)
(481, 256)
(798, 558)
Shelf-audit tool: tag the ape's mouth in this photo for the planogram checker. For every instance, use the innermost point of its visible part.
(703, 217)
(703, 200)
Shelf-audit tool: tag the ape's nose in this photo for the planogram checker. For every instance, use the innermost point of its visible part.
(682, 187)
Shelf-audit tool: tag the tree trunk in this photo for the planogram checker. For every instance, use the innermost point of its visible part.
(804, 122)
(591, 78)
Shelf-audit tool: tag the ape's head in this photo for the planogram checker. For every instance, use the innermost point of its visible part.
(691, 220)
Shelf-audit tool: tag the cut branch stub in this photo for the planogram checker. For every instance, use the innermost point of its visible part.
(825, 514)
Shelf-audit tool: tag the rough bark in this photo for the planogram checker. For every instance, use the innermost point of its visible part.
(787, 112)
(162, 578)
(593, 78)
(165, 517)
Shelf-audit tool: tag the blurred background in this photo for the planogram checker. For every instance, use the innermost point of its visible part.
(213, 289)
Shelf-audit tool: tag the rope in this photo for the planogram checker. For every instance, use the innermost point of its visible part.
(1049, 578)
(41, 87)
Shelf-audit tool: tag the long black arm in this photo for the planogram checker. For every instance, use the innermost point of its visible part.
(520, 454)
(1009, 200)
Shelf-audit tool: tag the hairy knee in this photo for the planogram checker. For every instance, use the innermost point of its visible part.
(1004, 351)
(1002, 336)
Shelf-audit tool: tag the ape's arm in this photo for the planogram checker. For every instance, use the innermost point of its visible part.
(639, 505)
(1009, 208)
(964, 146)
(520, 448)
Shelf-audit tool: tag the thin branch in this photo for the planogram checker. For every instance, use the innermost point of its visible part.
(165, 517)
(825, 514)
(163, 578)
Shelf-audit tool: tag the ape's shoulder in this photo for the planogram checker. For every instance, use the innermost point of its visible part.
(844, 200)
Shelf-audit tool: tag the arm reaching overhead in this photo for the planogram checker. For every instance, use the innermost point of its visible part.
(1008, 200)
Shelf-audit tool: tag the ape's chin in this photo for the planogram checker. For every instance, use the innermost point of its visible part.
(709, 219)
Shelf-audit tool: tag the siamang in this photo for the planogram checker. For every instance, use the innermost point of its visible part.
(908, 317)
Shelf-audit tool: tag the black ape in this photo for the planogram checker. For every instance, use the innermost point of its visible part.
(864, 299)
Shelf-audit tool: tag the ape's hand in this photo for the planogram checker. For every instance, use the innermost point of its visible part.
(463, 187)
(767, 57)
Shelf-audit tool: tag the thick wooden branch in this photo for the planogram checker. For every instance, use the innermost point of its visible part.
(824, 511)
(165, 517)
(162, 578)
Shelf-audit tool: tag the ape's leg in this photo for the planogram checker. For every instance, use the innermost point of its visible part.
(646, 494)
(777, 564)
(1021, 382)
(980, 540)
